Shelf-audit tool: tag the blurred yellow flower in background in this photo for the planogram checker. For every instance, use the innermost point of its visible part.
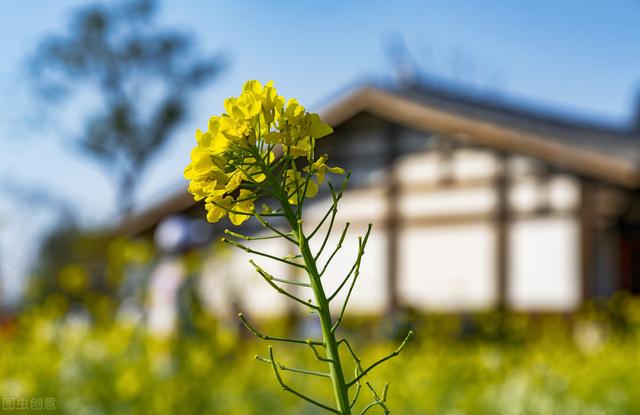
(73, 278)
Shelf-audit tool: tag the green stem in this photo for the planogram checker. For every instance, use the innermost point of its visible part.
(336, 373)
(335, 366)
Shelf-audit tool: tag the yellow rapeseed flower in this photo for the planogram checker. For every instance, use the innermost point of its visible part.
(231, 160)
(320, 169)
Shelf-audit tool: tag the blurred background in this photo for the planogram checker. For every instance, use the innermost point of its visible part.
(495, 148)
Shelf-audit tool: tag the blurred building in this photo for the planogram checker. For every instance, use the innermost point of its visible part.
(475, 204)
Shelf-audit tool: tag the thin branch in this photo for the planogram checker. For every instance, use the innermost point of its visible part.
(272, 278)
(319, 225)
(344, 281)
(298, 394)
(297, 187)
(292, 369)
(361, 244)
(253, 251)
(285, 166)
(335, 251)
(250, 238)
(318, 357)
(268, 278)
(301, 199)
(326, 215)
(266, 224)
(299, 284)
(385, 389)
(366, 408)
(355, 397)
(352, 352)
(384, 359)
(334, 212)
(258, 334)
(380, 400)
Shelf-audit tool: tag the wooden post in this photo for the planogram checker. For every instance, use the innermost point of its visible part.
(393, 219)
(502, 231)
(586, 233)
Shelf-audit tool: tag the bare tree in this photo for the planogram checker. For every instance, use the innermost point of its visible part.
(142, 76)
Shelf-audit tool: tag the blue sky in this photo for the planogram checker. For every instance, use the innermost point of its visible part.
(576, 57)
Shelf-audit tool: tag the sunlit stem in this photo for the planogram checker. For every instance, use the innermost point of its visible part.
(263, 177)
(293, 217)
(331, 347)
(335, 367)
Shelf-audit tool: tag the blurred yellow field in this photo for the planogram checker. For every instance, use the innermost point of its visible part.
(533, 365)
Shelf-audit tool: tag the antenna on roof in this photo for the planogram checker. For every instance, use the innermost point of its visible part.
(403, 65)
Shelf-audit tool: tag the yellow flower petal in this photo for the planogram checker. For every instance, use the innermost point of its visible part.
(218, 207)
(242, 209)
(234, 182)
(318, 128)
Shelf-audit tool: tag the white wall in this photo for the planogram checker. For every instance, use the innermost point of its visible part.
(544, 264)
(229, 277)
(452, 267)
(448, 268)
(359, 207)
(369, 294)
(442, 266)
(448, 202)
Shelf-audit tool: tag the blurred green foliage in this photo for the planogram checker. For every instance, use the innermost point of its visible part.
(587, 363)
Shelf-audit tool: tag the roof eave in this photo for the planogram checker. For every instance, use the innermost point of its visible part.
(422, 117)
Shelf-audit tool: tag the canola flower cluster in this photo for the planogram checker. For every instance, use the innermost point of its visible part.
(250, 151)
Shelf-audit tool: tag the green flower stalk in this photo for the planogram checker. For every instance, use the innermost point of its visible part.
(262, 147)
